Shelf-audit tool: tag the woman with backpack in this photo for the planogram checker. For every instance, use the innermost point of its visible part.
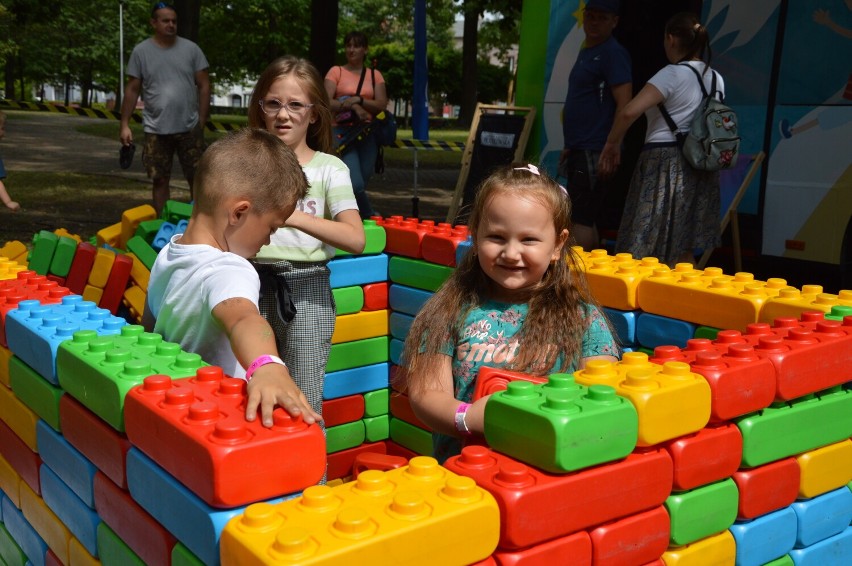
(357, 93)
(671, 208)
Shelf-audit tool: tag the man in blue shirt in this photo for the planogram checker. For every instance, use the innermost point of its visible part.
(600, 83)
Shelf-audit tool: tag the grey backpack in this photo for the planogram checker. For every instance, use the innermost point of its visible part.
(712, 142)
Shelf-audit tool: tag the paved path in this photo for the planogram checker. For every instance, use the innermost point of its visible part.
(40, 141)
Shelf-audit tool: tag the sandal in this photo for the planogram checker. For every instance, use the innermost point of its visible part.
(125, 155)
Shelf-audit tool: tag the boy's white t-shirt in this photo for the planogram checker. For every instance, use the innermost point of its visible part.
(186, 282)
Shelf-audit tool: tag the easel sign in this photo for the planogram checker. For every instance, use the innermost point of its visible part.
(498, 136)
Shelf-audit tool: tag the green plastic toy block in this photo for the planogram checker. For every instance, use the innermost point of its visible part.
(376, 239)
(60, 265)
(788, 428)
(783, 561)
(44, 245)
(112, 551)
(182, 556)
(147, 229)
(706, 332)
(344, 436)
(377, 428)
(561, 426)
(414, 438)
(174, 211)
(143, 250)
(10, 552)
(702, 512)
(98, 371)
(377, 402)
(349, 300)
(838, 312)
(41, 396)
(348, 355)
(418, 273)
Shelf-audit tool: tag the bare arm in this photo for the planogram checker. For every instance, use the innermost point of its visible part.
(128, 105)
(376, 104)
(621, 93)
(345, 232)
(202, 81)
(436, 406)
(331, 89)
(252, 337)
(611, 155)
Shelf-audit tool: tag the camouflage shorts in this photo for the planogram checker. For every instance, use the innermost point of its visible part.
(158, 153)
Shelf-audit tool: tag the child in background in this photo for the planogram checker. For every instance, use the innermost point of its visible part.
(517, 301)
(4, 196)
(289, 100)
(203, 292)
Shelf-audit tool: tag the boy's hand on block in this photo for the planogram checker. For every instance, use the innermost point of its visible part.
(272, 385)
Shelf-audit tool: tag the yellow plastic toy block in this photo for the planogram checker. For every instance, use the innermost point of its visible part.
(825, 469)
(360, 326)
(5, 356)
(93, 294)
(139, 272)
(418, 514)
(670, 399)
(10, 482)
(101, 267)
(111, 236)
(130, 220)
(687, 294)
(15, 251)
(719, 550)
(45, 522)
(62, 232)
(791, 302)
(79, 556)
(614, 280)
(20, 418)
(134, 300)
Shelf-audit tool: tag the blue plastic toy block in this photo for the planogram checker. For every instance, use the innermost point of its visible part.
(408, 300)
(396, 347)
(462, 249)
(34, 331)
(181, 226)
(24, 534)
(358, 270)
(181, 512)
(765, 538)
(74, 469)
(354, 381)
(823, 516)
(624, 323)
(399, 324)
(833, 551)
(654, 330)
(163, 235)
(80, 519)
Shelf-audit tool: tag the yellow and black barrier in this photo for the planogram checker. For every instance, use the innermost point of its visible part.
(435, 145)
(95, 113)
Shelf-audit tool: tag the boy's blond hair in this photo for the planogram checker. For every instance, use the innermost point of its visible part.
(250, 164)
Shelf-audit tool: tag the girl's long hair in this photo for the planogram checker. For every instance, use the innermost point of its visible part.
(556, 320)
(319, 136)
(692, 37)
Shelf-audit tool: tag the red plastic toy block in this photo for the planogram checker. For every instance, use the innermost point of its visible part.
(711, 454)
(50, 559)
(27, 285)
(373, 461)
(439, 246)
(637, 539)
(395, 449)
(139, 530)
(119, 275)
(400, 407)
(342, 462)
(23, 460)
(490, 380)
(767, 488)
(343, 410)
(375, 296)
(571, 550)
(663, 354)
(195, 429)
(104, 446)
(81, 266)
(536, 506)
(404, 236)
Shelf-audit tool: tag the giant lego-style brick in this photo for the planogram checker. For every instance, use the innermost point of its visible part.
(341, 464)
(407, 300)
(81, 266)
(375, 239)
(441, 244)
(44, 245)
(359, 270)
(792, 302)
(196, 430)
(113, 550)
(63, 256)
(20, 419)
(825, 469)
(825, 551)
(27, 285)
(536, 506)
(39, 395)
(360, 326)
(614, 280)
(417, 273)
(342, 410)
(654, 330)
(404, 235)
(23, 533)
(45, 522)
(375, 296)
(348, 300)
(709, 455)
(380, 518)
(637, 539)
(767, 488)
(10, 552)
(822, 517)
(80, 519)
(762, 540)
(355, 380)
(560, 426)
(702, 511)
(571, 550)
(70, 466)
(10, 483)
(490, 380)
(132, 218)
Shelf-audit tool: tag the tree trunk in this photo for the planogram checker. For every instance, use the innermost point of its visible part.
(323, 48)
(188, 17)
(9, 78)
(470, 42)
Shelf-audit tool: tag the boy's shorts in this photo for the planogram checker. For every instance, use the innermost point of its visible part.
(159, 150)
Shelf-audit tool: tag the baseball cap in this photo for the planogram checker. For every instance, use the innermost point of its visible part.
(611, 6)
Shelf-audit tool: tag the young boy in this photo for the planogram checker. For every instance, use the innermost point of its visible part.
(4, 196)
(203, 292)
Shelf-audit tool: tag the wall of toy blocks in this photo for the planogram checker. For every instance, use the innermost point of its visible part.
(721, 436)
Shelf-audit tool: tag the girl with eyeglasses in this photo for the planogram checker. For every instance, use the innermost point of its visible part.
(290, 101)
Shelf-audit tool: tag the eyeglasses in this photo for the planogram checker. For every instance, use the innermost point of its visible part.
(274, 106)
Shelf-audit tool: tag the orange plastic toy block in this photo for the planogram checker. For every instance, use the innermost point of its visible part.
(440, 245)
(195, 428)
(490, 380)
(116, 283)
(711, 454)
(767, 488)
(671, 400)
(536, 506)
(418, 514)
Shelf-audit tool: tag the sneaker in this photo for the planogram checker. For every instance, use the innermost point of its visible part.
(125, 155)
(784, 128)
